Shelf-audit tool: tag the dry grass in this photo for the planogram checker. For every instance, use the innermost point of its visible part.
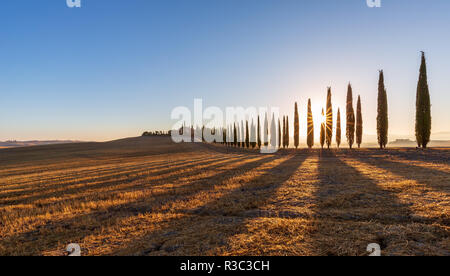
(147, 196)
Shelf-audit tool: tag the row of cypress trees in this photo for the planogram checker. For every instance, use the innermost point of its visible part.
(354, 124)
(423, 109)
(250, 136)
(326, 128)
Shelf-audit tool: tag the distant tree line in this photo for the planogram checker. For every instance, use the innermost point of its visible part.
(156, 133)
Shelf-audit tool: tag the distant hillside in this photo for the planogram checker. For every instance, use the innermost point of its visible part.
(15, 144)
(411, 143)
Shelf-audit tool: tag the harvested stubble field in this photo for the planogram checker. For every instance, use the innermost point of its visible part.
(147, 196)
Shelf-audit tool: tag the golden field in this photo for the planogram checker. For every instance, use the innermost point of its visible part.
(148, 196)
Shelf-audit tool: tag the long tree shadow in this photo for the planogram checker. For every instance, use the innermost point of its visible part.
(63, 175)
(110, 181)
(352, 211)
(211, 225)
(63, 231)
(428, 155)
(435, 179)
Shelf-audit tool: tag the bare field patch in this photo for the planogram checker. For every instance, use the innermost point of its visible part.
(148, 196)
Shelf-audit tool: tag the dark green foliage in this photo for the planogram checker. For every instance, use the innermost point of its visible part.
(310, 121)
(423, 107)
(156, 133)
(296, 127)
(359, 123)
(382, 117)
(350, 130)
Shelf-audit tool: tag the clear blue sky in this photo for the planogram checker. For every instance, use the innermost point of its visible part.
(115, 68)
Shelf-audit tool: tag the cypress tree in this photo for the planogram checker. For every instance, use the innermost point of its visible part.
(247, 133)
(224, 132)
(259, 133)
(234, 135)
(279, 133)
(382, 117)
(322, 132)
(226, 136)
(310, 121)
(242, 134)
(255, 141)
(203, 135)
(238, 134)
(287, 131)
(350, 130)
(359, 123)
(329, 119)
(338, 128)
(238, 141)
(423, 107)
(296, 127)
(266, 131)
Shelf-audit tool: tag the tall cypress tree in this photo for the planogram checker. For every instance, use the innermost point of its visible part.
(227, 135)
(253, 135)
(329, 119)
(287, 131)
(279, 133)
(423, 107)
(322, 131)
(203, 134)
(234, 135)
(247, 135)
(350, 130)
(296, 127)
(266, 131)
(338, 128)
(224, 134)
(259, 134)
(310, 123)
(238, 135)
(382, 117)
(359, 123)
